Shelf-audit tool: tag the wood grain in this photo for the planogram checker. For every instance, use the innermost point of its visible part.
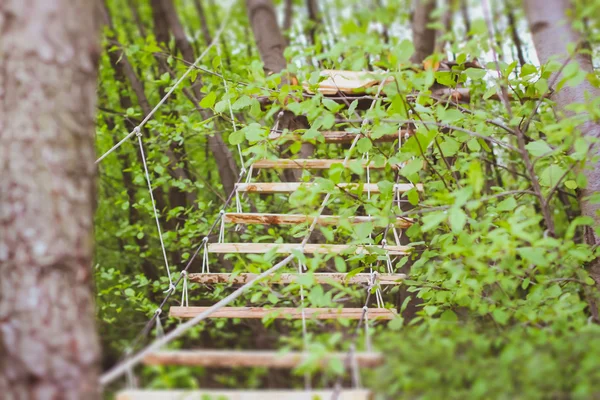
(284, 279)
(283, 313)
(296, 219)
(345, 394)
(311, 248)
(238, 358)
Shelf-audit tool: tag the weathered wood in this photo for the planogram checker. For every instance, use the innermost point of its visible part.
(283, 313)
(295, 219)
(347, 81)
(290, 187)
(310, 248)
(238, 358)
(345, 394)
(284, 279)
(312, 163)
(344, 137)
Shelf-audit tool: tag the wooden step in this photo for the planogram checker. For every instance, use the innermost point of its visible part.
(284, 279)
(343, 136)
(283, 313)
(216, 394)
(238, 358)
(310, 248)
(290, 187)
(303, 163)
(348, 82)
(296, 219)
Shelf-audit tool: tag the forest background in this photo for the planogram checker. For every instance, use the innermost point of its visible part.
(501, 296)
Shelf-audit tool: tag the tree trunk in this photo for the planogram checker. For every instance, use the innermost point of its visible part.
(271, 44)
(223, 157)
(423, 36)
(48, 69)
(551, 35)
(269, 40)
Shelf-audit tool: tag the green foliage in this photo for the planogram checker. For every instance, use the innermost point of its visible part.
(495, 305)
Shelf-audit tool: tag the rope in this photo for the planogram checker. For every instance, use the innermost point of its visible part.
(129, 363)
(301, 268)
(166, 96)
(205, 264)
(162, 244)
(184, 290)
(239, 148)
(160, 332)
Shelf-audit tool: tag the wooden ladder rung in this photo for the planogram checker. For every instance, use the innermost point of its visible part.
(343, 136)
(239, 358)
(295, 219)
(311, 248)
(286, 278)
(283, 313)
(216, 394)
(300, 163)
(290, 187)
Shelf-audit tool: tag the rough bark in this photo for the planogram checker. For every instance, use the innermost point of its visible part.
(423, 36)
(223, 157)
(288, 15)
(49, 53)
(203, 23)
(515, 35)
(551, 33)
(269, 40)
(271, 44)
(315, 19)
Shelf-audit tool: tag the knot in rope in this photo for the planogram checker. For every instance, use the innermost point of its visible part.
(138, 131)
(205, 239)
(184, 273)
(383, 242)
(171, 288)
(158, 312)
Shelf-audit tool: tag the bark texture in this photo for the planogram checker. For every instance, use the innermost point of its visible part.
(551, 33)
(48, 68)
(269, 40)
(423, 37)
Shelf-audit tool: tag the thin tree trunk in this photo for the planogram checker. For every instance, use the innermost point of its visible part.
(423, 36)
(447, 22)
(225, 162)
(515, 35)
(314, 18)
(288, 15)
(551, 35)
(204, 25)
(48, 69)
(271, 44)
(464, 10)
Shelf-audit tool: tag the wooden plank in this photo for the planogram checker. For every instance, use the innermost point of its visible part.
(290, 187)
(295, 219)
(347, 81)
(344, 137)
(283, 313)
(237, 358)
(310, 248)
(284, 279)
(215, 394)
(311, 163)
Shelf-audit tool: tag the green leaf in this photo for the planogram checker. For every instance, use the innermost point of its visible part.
(507, 204)
(432, 220)
(538, 148)
(551, 175)
(364, 145)
(241, 103)
(457, 219)
(534, 255)
(412, 167)
(475, 73)
(209, 100)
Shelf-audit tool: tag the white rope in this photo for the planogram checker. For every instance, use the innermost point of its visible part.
(162, 244)
(184, 290)
(121, 368)
(166, 96)
(131, 381)
(160, 332)
(354, 366)
(301, 268)
(396, 235)
(205, 266)
(368, 345)
(238, 203)
(239, 148)
(249, 176)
